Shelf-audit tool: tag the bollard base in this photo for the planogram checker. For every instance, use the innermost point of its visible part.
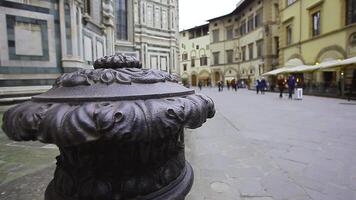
(177, 190)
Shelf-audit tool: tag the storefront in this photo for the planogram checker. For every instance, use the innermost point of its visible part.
(329, 78)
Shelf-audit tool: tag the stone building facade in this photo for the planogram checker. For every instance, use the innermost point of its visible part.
(311, 37)
(152, 33)
(195, 55)
(244, 43)
(42, 39)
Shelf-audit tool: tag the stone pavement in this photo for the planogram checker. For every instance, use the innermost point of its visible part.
(255, 148)
(260, 147)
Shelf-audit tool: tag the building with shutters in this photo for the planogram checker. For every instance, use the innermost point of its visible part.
(195, 55)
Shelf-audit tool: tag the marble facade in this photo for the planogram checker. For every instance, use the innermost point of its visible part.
(47, 38)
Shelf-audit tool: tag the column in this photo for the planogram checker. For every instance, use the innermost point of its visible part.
(73, 22)
(62, 28)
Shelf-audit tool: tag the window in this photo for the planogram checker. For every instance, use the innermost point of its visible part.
(197, 47)
(216, 35)
(289, 34)
(250, 24)
(191, 34)
(229, 54)
(351, 12)
(237, 32)
(289, 2)
(243, 53)
(203, 61)
(316, 23)
(258, 18)
(87, 7)
(259, 45)
(198, 33)
(243, 27)
(184, 34)
(121, 19)
(184, 56)
(205, 30)
(250, 51)
(185, 67)
(192, 61)
(229, 33)
(216, 58)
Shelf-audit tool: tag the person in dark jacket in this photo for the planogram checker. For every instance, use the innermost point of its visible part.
(258, 85)
(263, 85)
(281, 85)
(291, 86)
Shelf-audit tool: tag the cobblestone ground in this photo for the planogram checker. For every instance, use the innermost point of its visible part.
(260, 147)
(257, 147)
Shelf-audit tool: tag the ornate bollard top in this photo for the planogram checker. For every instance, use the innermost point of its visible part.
(116, 100)
(119, 128)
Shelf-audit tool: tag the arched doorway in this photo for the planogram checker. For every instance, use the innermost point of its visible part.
(194, 80)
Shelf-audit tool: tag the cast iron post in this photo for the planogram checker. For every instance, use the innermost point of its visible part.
(119, 129)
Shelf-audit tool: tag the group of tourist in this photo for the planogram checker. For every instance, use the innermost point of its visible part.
(288, 83)
(261, 85)
(230, 84)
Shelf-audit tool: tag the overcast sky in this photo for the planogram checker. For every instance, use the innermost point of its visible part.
(196, 12)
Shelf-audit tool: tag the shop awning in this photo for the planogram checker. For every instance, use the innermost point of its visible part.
(327, 65)
(278, 71)
(303, 68)
(337, 63)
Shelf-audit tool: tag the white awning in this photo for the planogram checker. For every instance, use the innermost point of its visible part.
(348, 61)
(327, 65)
(337, 63)
(304, 68)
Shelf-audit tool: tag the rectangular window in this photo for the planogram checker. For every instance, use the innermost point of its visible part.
(216, 58)
(259, 45)
(243, 53)
(250, 51)
(237, 32)
(243, 27)
(205, 31)
(289, 34)
(192, 62)
(316, 23)
(185, 67)
(216, 35)
(250, 24)
(203, 61)
(121, 19)
(351, 12)
(258, 18)
(184, 56)
(229, 33)
(229, 54)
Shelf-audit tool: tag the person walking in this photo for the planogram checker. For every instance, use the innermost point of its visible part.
(291, 86)
(258, 85)
(219, 86)
(281, 85)
(200, 85)
(263, 86)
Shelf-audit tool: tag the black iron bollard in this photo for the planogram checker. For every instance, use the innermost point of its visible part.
(119, 129)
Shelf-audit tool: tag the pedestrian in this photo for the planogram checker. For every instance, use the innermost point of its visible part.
(257, 85)
(281, 85)
(200, 85)
(219, 86)
(263, 85)
(291, 86)
(228, 85)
